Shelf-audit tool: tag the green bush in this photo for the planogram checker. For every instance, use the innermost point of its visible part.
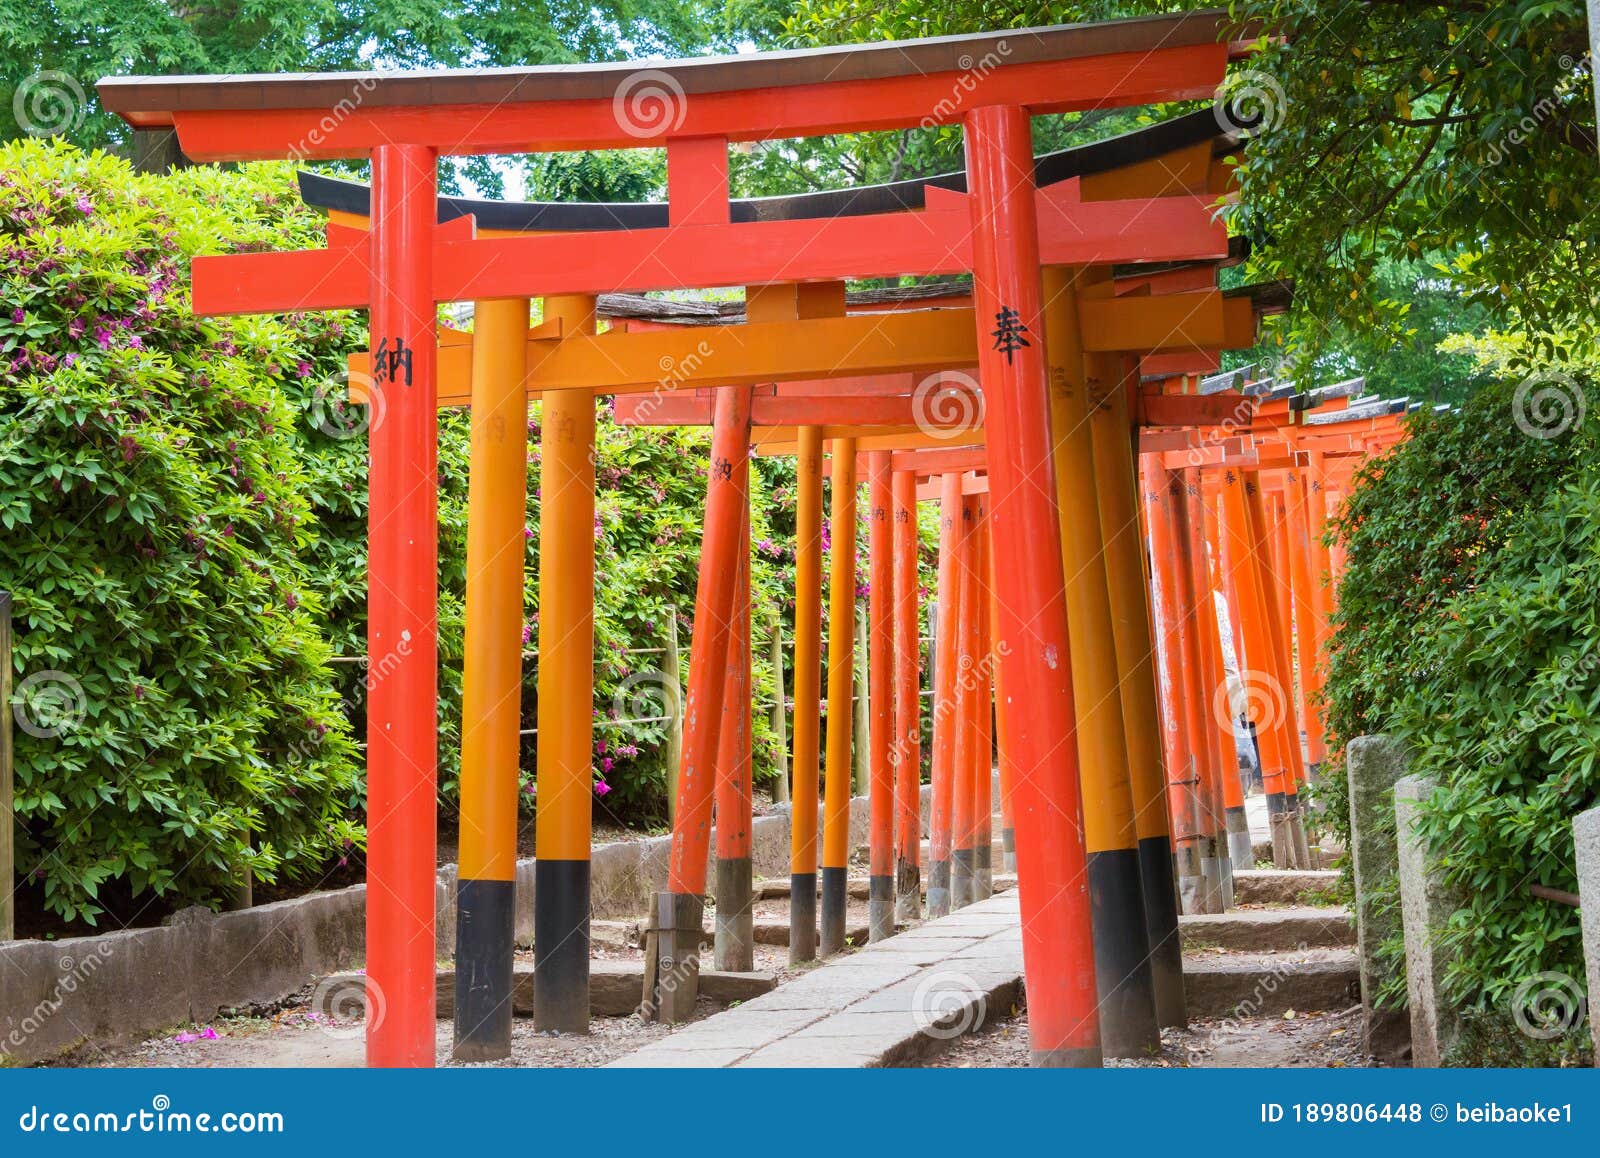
(154, 521)
(1469, 627)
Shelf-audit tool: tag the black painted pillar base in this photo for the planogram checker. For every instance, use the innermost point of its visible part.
(735, 945)
(561, 946)
(672, 964)
(802, 917)
(835, 895)
(1161, 930)
(961, 869)
(485, 944)
(908, 892)
(939, 889)
(880, 908)
(983, 872)
(1241, 850)
(1282, 834)
(1008, 849)
(1123, 980)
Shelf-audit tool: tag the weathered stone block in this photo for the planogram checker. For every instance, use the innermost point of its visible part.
(1586, 836)
(1373, 764)
(1425, 907)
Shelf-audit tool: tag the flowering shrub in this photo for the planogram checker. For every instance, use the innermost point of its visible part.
(154, 528)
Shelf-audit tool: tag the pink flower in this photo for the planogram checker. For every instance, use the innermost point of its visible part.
(76, 327)
(601, 788)
(302, 369)
(208, 1034)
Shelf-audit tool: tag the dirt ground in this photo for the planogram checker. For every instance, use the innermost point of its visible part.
(1308, 1039)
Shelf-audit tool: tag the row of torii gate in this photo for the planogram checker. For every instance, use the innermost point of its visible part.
(1091, 322)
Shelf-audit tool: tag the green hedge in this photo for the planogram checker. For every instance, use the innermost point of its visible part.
(154, 519)
(1469, 626)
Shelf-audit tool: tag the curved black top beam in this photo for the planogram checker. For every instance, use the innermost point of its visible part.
(558, 216)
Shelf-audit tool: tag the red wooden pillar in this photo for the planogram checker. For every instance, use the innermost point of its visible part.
(1058, 953)
(734, 943)
(947, 619)
(402, 613)
(907, 702)
(880, 698)
(983, 671)
(680, 910)
(807, 760)
(963, 823)
(1207, 652)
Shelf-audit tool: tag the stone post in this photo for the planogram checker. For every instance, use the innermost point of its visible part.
(1586, 837)
(1425, 907)
(1373, 764)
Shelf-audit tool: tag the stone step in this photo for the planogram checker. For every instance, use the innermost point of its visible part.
(1269, 930)
(1280, 886)
(1244, 985)
(778, 889)
(776, 932)
(616, 989)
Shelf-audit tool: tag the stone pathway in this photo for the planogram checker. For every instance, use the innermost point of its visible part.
(890, 1003)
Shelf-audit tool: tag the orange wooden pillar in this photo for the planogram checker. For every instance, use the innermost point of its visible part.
(1316, 505)
(983, 766)
(1057, 937)
(1307, 650)
(1240, 848)
(963, 823)
(1274, 588)
(491, 682)
(880, 699)
(734, 938)
(1117, 490)
(1180, 682)
(1214, 863)
(1263, 691)
(806, 763)
(402, 620)
(907, 750)
(946, 645)
(1008, 832)
(841, 677)
(566, 695)
(1128, 1025)
(674, 967)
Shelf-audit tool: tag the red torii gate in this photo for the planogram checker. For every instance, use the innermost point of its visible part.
(1001, 230)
